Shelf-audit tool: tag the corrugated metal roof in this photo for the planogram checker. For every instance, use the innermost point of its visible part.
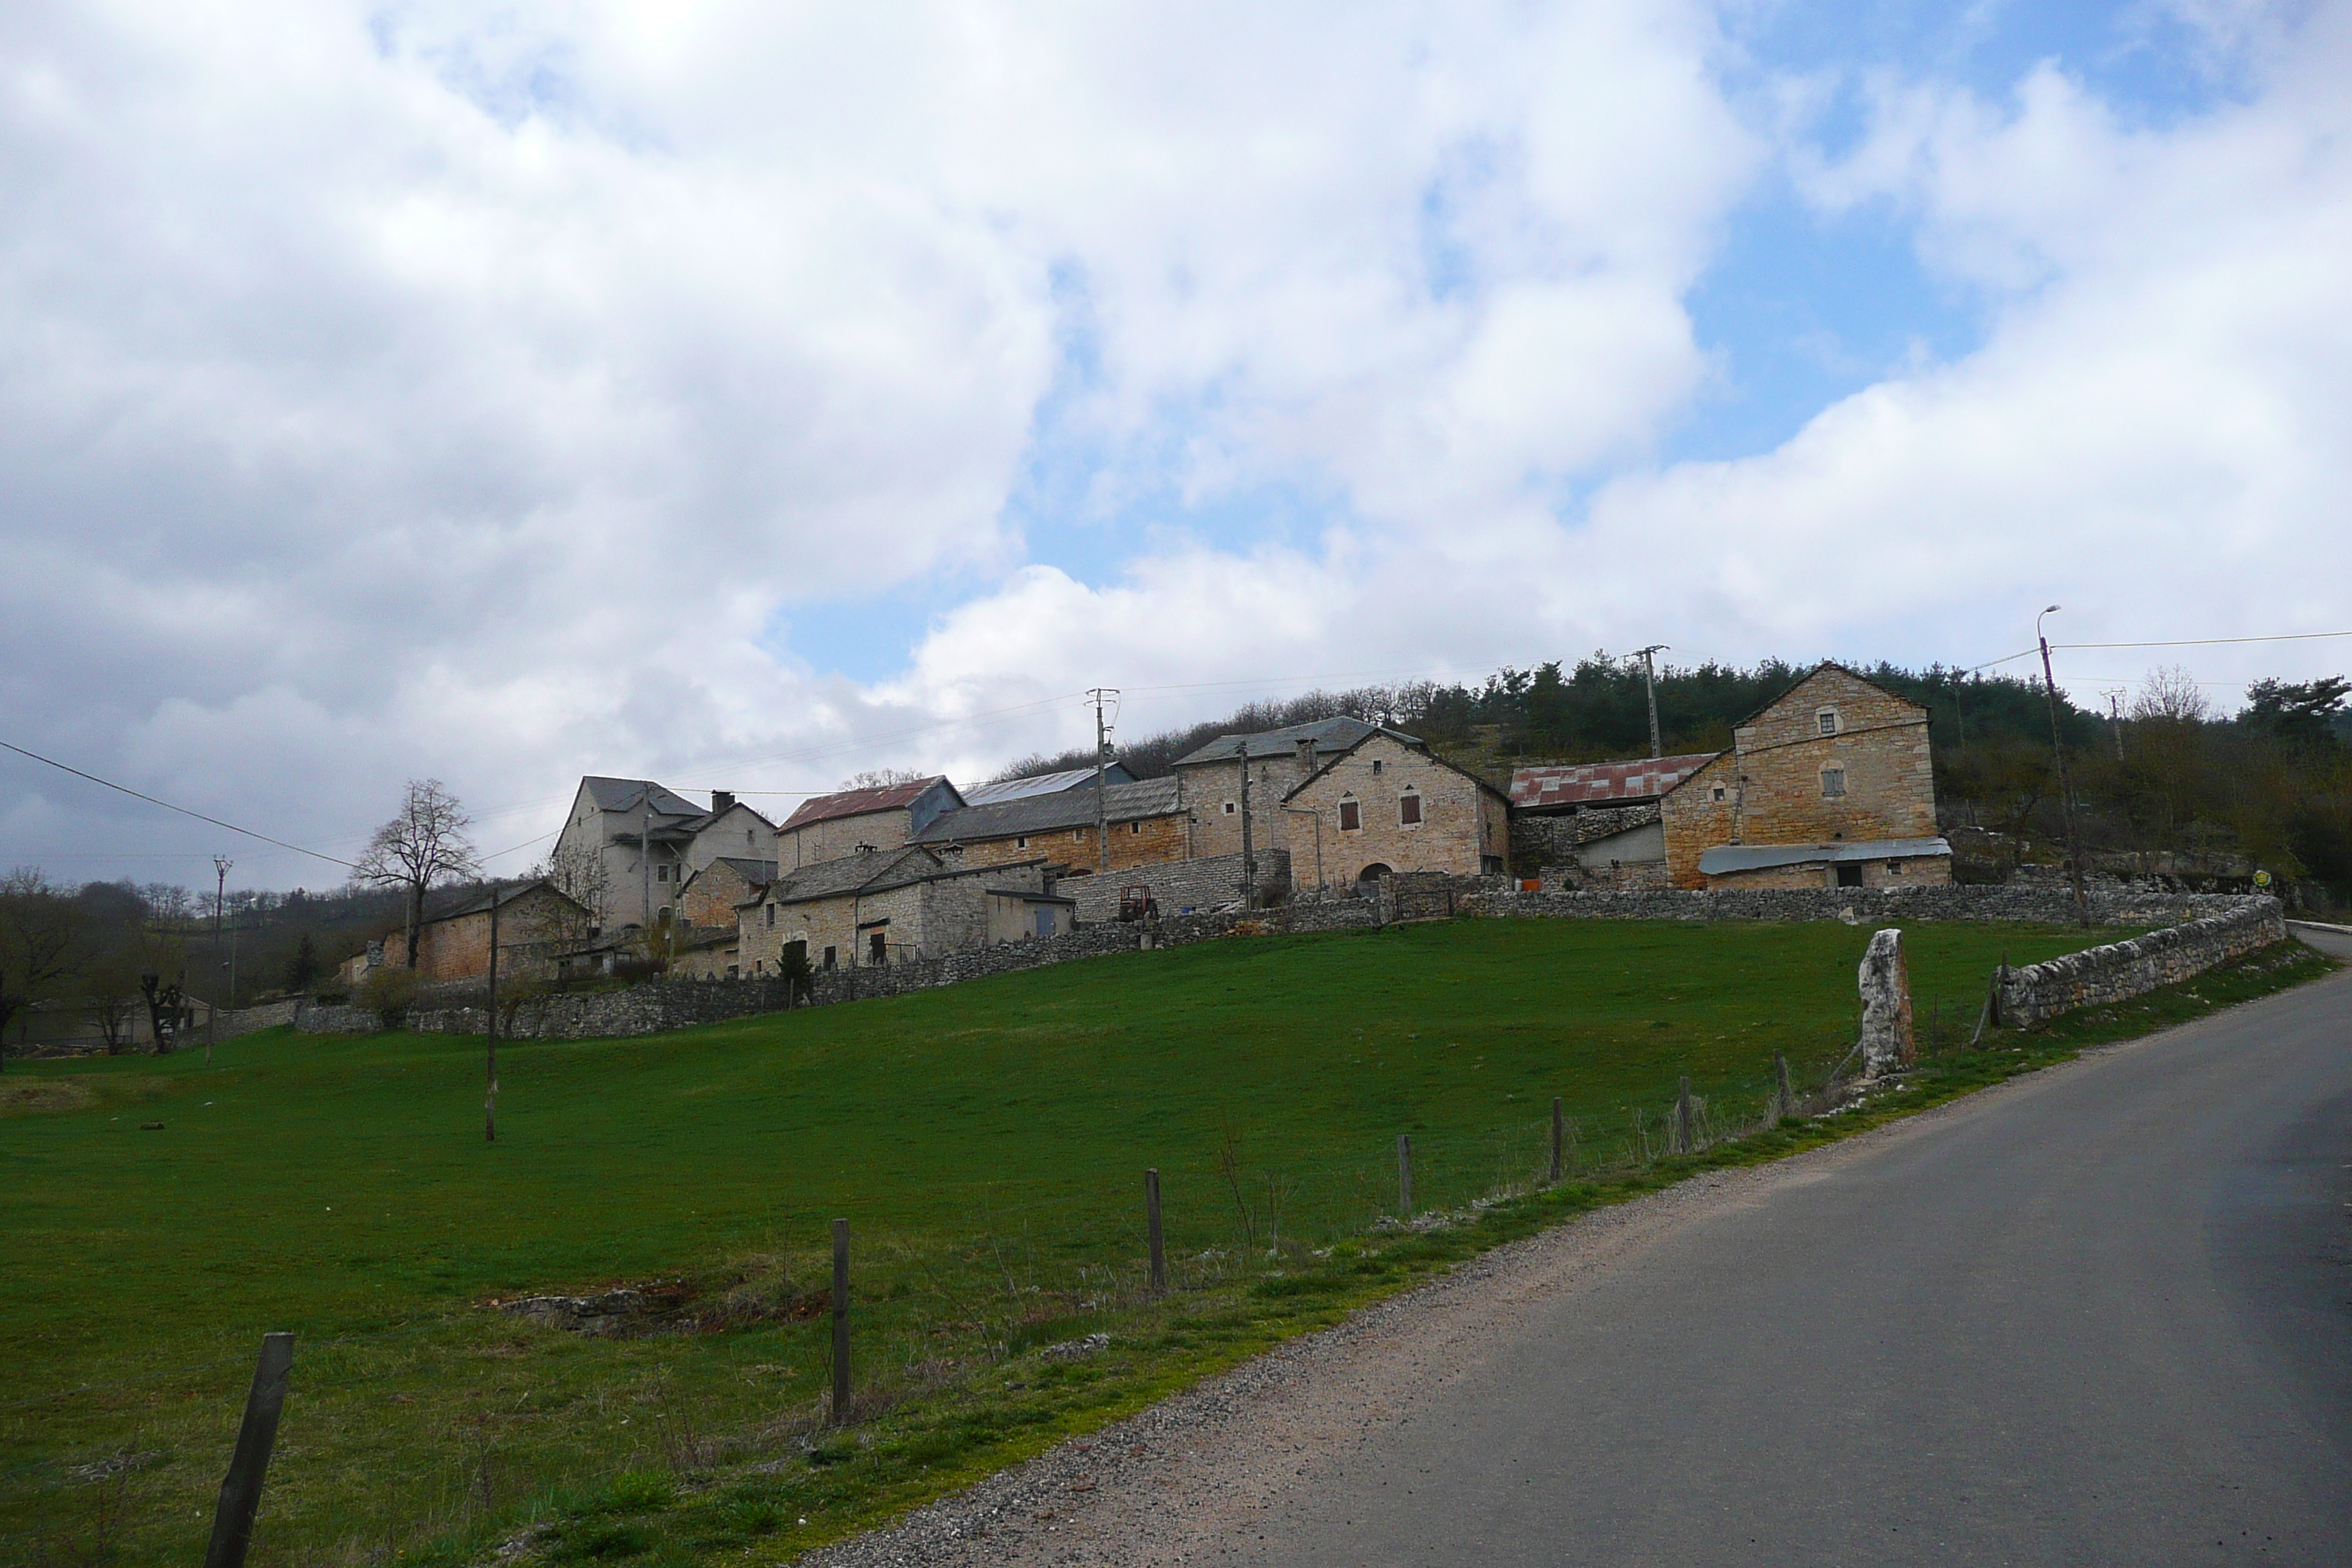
(1042, 784)
(1329, 735)
(1726, 857)
(858, 802)
(1539, 789)
(1045, 812)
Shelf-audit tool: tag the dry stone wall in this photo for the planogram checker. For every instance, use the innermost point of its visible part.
(1179, 885)
(2122, 970)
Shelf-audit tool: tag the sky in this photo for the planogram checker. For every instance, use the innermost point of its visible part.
(746, 395)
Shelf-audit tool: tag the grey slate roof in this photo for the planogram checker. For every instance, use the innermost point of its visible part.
(759, 873)
(1046, 813)
(874, 873)
(1329, 735)
(625, 794)
(1044, 784)
(1726, 857)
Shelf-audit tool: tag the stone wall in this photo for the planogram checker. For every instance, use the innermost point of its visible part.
(1179, 885)
(1539, 843)
(2040, 991)
(2114, 905)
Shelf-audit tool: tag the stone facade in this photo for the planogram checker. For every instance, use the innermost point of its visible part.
(713, 894)
(1183, 887)
(1387, 805)
(629, 846)
(533, 921)
(1835, 759)
(1278, 762)
(913, 907)
(833, 826)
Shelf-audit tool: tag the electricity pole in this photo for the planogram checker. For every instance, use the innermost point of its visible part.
(1102, 763)
(2115, 721)
(491, 1067)
(1249, 852)
(222, 865)
(1650, 681)
(2066, 789)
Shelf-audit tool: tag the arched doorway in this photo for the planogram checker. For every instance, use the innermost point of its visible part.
(1373, 873)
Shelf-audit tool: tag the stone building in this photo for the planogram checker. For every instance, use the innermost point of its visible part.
(1831, 784)
(629, 846)
(1278, 761)
(895, 906)
(1044, 784)
(1148, 820)
(712, 895)
(1385, 804)
(535, 922)
(1596, 824)
(887, 816)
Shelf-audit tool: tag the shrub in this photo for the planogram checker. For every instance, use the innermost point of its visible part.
(388, 992)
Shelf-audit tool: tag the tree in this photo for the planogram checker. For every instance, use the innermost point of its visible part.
(2301, 715)
(579, 871)
(882, 778)
(422, 847)
(303, 967)
(41, 942)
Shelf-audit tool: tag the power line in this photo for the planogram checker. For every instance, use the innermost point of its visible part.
(183, 810)
(2206, 642)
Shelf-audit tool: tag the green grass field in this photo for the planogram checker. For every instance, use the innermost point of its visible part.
(986, 1140)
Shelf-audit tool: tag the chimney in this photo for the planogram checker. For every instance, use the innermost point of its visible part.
(721, 799)
(1306, 755)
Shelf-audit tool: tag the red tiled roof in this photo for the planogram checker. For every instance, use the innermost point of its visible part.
(1601, 784)
(857, 801)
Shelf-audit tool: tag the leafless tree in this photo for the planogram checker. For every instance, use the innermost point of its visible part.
(41, 940)
(422, 847)
(578, 870)
(882, 778)
(2170, 695)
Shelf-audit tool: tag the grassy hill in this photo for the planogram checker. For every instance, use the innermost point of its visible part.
(986, 1140)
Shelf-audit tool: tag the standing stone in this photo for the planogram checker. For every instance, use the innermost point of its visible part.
(1886, 1041)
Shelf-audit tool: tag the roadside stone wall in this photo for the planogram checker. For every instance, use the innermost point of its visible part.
(2040, 991)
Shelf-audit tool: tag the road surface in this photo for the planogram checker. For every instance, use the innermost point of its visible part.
(2097, 1316)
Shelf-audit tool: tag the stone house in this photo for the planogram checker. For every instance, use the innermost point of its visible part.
(1277, 762)
(1385, 804)
(1147, 821)
(833, 826)
(536, 920)
(629, 846)
(1831, 784)
(713, 894)
(1596, 824)
(895, 906)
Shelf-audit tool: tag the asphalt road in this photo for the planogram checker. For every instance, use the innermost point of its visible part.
(2100, 1319)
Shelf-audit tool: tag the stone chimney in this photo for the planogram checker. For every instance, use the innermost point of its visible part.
(1306, 755)
(721, 799)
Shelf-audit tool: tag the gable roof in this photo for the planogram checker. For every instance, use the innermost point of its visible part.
(1590, 783)
(759, 873)
(1799, 684)
(628, 794)
(1329, 736)
(1044, 813)
(1044, 784)
(476, 900)
(1409, 743)
(859, 802)
(876, 872)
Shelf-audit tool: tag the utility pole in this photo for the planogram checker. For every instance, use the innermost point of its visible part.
(1650, 680)
(2115, 721)
(222, 865)
(1249, 851)
(2065, 788)
(645, 863)
(1102, 764)
(491, 1067)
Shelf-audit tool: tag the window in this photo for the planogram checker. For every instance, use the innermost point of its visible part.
(877, 950)
(832, 958)
(1849, 875)
(661, 873)
(1832, 783)
(1229, 808)
(1719, 792)
(1376, 767)
(1828, 720)
(1135, 827)
(1352, 816)
(1409, 809)
(1021, 841)
(772, 917)
(1894, 868)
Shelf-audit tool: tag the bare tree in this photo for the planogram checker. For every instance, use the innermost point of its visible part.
(2171, 695)
(422, 846)
(579, 871)
(882, 778)
(41, 940)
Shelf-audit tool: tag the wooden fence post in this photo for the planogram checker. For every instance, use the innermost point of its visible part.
(840, 1322)
(1404, 1175)
(1783, 1103)
(240, 1493)
(1556, 1138)
(1152, 1232)
(1683, 1119)
(1990, 1016)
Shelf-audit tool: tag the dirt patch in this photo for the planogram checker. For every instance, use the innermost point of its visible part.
(44, 1094)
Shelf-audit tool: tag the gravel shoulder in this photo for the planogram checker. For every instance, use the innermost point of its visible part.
(1186, 1482)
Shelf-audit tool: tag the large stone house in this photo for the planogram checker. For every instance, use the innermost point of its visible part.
(895, 906)
(713, 894)
(629, 846)
(1271, 763)
(1385, 802)
(1147, 822)
(1831, 784)
(887, 816)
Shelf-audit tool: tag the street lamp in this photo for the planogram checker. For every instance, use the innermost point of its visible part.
(2065, 788)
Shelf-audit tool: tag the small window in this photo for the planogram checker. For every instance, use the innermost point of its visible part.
(1352, 816)
(1135, 827)
(1229, 808)
(1894, 868)
(1832, 783)
(1376, 767)
(1828, 720)
(661, 873)
(1409, 809)
(772, 917)
(1720, 792)
(832, 958)
(1021, 841)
